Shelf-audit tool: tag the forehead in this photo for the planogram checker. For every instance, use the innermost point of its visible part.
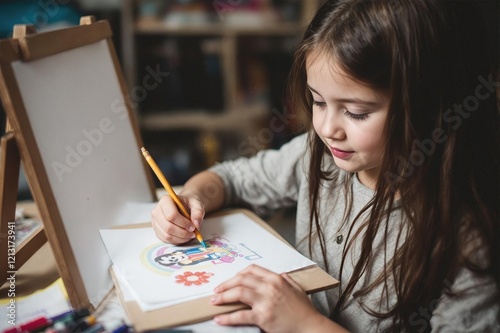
(325, 75)
(324, 65)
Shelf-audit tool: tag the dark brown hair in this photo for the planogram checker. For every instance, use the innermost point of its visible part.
(441, 161)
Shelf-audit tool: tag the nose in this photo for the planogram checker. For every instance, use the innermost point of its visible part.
(332, 125)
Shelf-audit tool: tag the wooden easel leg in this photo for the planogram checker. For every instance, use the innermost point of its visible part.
(9, 176)
(11, 257)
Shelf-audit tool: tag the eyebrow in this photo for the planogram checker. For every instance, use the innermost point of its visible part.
(350, 100)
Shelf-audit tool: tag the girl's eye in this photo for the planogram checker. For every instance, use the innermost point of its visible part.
(356, 116)
(321, 105)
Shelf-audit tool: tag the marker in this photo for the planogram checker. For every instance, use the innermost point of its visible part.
(81, 313)
(95, 329)
(121, 329)
(62, 316)
(36, 324)
(82, 324)
(60, 327)
(14, 329)
(72, 315)
(170, 330)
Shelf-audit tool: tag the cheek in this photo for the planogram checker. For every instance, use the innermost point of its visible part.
(374, 134)
(369, 141)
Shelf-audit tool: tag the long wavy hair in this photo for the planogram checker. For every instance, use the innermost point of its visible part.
(441, 160)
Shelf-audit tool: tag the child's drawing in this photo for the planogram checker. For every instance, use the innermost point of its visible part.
(160, 274)
(193, 278)
(167, 259)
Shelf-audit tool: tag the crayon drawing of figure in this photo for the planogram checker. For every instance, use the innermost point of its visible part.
(219, 251)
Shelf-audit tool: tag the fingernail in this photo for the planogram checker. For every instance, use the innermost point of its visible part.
(213, 300)
(190, 228)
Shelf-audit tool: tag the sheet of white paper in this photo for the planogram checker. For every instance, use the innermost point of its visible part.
(161, 274)
(48, 302)
(129, 295)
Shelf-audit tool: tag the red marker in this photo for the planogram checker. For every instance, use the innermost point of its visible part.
(14, 329)
(36, 324)
(32, 325)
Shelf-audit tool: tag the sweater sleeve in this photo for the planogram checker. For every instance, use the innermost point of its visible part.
(474, 308)
(267, 181)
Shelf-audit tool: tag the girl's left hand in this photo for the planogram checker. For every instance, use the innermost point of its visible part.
(277, 303)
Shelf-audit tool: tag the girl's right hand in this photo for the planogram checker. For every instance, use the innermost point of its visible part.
(170, 225)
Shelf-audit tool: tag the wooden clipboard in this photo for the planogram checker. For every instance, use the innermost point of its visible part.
(311, 279)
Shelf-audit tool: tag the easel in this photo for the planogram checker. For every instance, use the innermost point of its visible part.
(9, 177)
(76, 172)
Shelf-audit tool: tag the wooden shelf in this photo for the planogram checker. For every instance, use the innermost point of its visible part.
(236, 120)
(219, 29)
(238, 116)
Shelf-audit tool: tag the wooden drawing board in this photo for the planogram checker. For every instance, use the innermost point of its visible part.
(311, 279)
(68, 107)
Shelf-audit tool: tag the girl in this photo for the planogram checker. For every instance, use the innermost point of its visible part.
(395, 181)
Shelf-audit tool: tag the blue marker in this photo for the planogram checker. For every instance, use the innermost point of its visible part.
(95, 329)
(122, 329)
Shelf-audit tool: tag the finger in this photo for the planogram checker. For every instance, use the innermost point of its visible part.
(166, 220)
(242, 317)
(159, 232)
(245, 277)
(197, 211)
(164, 236)
(237, 294)
(177, 234)
(171, 214)
(158, 223)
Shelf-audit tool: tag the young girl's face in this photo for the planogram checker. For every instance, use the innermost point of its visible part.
(349, 117)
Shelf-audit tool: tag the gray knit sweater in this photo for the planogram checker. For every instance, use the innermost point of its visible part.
(275, 179)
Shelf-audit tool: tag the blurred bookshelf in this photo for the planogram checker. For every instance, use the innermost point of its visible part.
(208, 73)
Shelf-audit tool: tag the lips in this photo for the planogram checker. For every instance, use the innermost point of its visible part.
(339, 153)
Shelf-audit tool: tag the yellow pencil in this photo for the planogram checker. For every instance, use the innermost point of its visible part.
(170, 191)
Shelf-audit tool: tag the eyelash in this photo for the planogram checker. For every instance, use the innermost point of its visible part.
(356, 116)
(319, 104)
(350, 115)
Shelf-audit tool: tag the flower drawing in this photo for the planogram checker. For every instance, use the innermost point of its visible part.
(193, 278)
